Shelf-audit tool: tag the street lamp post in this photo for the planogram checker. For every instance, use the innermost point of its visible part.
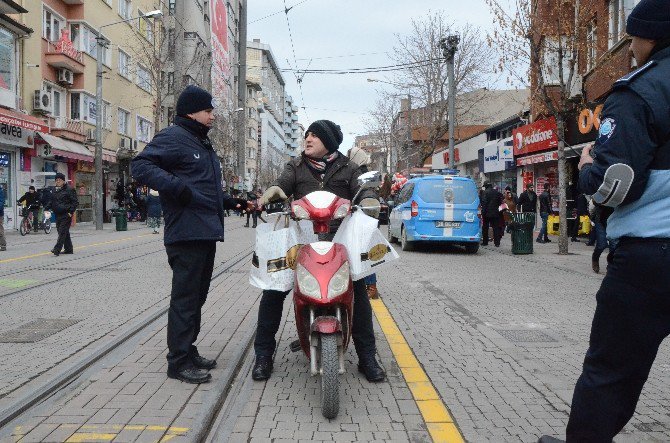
(102, 42)
(450, 46)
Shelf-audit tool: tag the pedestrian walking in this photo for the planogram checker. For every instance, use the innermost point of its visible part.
(3, 241)
(181, 164)
(629, 173)
(490, 202)
(320, 167)
(258, 206)
(251, 208)
(154, 210)
(510, 203)
(545, 211)
(63, 204)
(528, 200)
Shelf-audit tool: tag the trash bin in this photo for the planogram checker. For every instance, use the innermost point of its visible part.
(522, 232)
(121, 219)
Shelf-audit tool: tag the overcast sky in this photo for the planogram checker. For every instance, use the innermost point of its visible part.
(343, 30)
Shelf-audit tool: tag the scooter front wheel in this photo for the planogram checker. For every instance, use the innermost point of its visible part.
(330, 382)
(47, 227)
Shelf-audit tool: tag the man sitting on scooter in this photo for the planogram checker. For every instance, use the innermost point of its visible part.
(321, 167)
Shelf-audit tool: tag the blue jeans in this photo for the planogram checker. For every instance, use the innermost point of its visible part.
(543, 231)
(371, 279)
(601, 240)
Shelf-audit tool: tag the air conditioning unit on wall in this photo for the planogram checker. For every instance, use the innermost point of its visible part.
(42, 102)
(66, 77)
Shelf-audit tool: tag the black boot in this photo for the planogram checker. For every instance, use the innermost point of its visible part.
(190, 374)
(371, 369)
(201, 362)
(262, 368)
(54, 252)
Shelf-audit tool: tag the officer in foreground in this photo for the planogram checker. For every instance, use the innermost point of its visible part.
(630, 172)
(320, 167)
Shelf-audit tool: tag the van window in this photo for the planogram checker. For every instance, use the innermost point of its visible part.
(458, 192)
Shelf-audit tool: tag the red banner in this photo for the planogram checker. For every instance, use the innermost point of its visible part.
(535, 137)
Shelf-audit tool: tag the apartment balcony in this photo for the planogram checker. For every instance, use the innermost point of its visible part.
(63, 55)
(69, 129)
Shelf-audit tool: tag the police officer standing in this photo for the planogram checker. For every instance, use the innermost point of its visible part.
(629, 171)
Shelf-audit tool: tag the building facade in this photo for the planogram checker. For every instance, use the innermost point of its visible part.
(292, 132)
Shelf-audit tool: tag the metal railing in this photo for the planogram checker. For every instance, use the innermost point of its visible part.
(75, 126)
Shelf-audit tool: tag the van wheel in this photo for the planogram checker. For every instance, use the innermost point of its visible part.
(472, 248)
(405, 245)
(391, 238)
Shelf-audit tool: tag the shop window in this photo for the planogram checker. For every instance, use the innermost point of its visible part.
(7, 60)
(51, 25)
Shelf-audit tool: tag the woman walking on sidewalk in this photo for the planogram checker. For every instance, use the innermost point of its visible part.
(154, 210)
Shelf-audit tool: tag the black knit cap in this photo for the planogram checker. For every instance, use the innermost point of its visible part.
(192, 100)
(60, 175)
(328, 132)
(650, 19)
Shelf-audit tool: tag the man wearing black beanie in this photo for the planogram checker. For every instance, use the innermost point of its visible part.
(321, 167)
(182, 166)
(629, 171)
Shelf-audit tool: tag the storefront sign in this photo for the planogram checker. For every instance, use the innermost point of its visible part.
(583, 126)
(538, 136)
(11, 118)
(537, 158)
(16, 136)
(498, 156)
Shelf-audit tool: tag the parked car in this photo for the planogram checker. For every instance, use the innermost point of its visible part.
(436, 208)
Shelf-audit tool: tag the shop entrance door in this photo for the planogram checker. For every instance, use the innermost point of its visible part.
(7, 183)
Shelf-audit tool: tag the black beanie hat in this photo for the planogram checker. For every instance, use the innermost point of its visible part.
(328, 132)
(60, 175)
(650, 19)
(192, 100)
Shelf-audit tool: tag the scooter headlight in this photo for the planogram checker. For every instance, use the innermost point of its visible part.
(300, 213)
(339, 282)
(342, 211)
(307, 283)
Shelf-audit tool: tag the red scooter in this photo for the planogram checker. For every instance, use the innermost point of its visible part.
(323, 295)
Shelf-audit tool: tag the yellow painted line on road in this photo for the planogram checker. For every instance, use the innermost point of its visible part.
(42, 254)
(439, 422)
(110, 432)
(90, 437)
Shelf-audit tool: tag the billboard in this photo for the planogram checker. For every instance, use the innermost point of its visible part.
(221, 78)
(535, 137)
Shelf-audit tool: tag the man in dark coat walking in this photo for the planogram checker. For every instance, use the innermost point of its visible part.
(527, 200)
(545, 212)
(182, 166)
(63, 203)
(491, 201)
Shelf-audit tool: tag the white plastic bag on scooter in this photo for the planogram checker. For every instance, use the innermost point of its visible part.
(276, 251)
(367, 247)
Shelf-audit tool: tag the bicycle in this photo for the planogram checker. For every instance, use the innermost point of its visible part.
(27, 221)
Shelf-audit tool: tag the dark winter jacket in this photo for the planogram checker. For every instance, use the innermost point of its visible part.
(153, 206)
(545, 203)
(2, 201)
(63, 201)
(527, 202)
(31, 199)
(491, 200)
(182, 166)
(341, 178)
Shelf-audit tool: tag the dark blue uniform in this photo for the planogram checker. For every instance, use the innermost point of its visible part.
(630, 173)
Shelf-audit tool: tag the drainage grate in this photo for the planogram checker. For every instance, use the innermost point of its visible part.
(36, 330)
(526, 336)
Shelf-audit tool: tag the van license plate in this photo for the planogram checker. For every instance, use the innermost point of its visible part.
(448, 224)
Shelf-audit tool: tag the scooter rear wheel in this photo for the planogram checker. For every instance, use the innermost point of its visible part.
(330, 382)
(47, 227)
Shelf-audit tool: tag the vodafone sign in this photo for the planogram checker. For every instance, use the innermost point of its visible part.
(536, 137)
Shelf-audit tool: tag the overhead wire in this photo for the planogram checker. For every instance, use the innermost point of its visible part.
(298, 79)
(278, 12)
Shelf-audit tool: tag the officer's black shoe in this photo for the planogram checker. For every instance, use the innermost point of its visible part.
(190, 374)
(67, 252)
(201, 362)
(546, 240)
(595, 265)
(369, 367)
(539, 240)
(54, 252)
(548, 439)
(262, 368)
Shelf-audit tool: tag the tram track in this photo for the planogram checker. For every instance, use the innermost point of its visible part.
(68, 375)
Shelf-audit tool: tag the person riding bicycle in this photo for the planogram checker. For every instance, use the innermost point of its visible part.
(32, 200)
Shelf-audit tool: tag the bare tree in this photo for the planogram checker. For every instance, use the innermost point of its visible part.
(425, 78)
(380, 125)
(224, 137)
(542, 50)
(271, 165)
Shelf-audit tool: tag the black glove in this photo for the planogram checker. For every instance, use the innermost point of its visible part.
(185, 196)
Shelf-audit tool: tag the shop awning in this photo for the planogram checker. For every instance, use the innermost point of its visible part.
(67, 148)
(25, 121)
(107, 154)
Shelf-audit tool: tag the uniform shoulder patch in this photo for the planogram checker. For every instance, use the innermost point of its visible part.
(628, 78)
